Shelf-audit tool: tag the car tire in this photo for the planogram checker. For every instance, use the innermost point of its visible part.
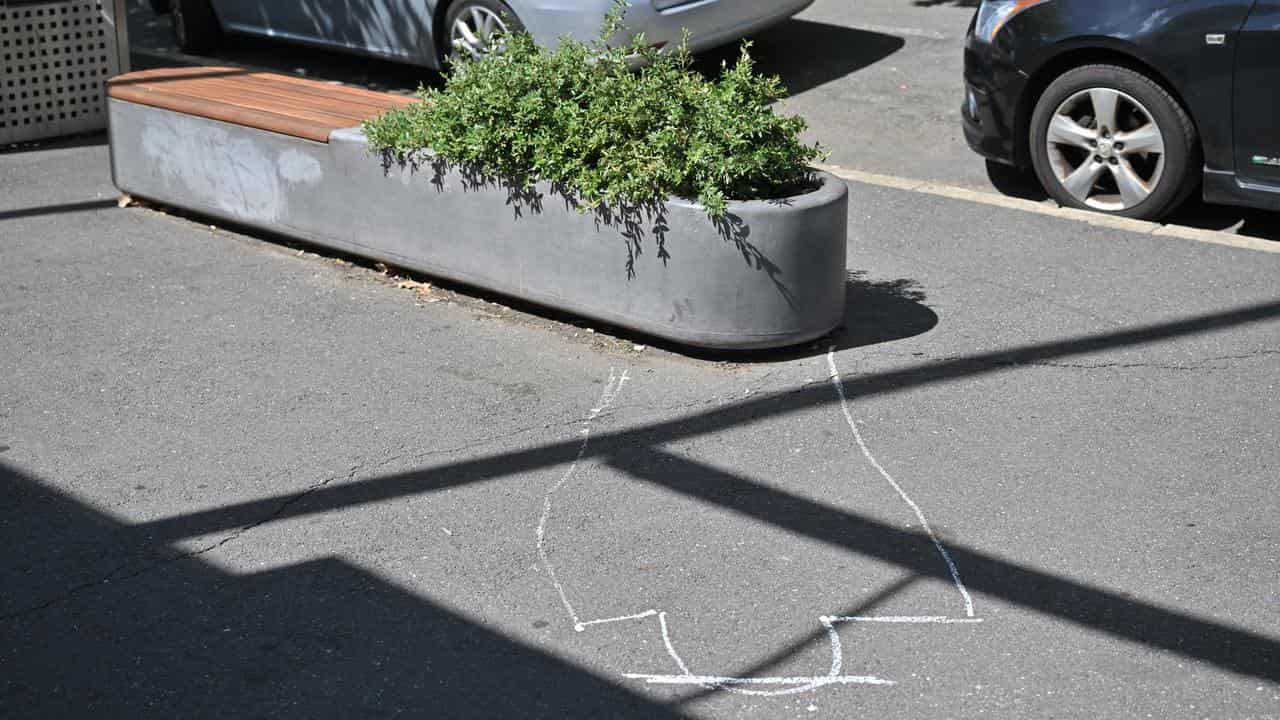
(473, 14)
(195, 27)
(1078, 137)
(161, 7)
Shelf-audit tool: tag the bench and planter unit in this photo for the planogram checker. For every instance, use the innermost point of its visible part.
(290, 156)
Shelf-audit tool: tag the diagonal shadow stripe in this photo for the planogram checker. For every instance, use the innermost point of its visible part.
(62, 209)
(321, 638)
(1090, 606)
(1093, 607)
(326, 497)
(798, 646)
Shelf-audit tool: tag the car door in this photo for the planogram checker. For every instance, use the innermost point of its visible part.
(398, 29)
(1257, 96)
(293, 20)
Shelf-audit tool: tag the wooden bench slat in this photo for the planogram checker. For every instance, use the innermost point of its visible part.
(272, 116)
(370, 96)
(165, 75)
(301, 107)
(262, 120)
(374, 104)
(300, 93)
(357, 109)
(278, 103)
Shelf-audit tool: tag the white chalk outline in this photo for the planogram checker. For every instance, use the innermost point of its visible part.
(803, 683)
(583, 625)
(718, 682)
(606, 399)
(724, 682)
(862, 445)
(906, 619)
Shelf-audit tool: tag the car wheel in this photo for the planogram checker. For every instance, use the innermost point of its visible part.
(161, 7)
(195, 27)
(1108, 139)
(474, 26)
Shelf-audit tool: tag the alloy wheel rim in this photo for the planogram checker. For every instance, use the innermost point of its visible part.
(474, 31)
(1105, 149)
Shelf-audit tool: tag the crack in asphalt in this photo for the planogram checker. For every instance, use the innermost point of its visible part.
(1202, 365)
(1110, 366)
(116, 575)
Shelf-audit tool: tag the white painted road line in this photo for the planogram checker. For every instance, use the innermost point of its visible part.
(1142, 227)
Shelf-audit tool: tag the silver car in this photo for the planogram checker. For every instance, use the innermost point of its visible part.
(426, 32)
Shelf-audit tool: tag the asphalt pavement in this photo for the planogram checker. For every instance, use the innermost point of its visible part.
(1034, 474)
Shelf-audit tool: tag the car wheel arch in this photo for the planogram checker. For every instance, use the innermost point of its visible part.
(1068, 59)
(441, 31)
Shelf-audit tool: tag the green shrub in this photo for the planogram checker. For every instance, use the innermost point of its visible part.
(579, 117)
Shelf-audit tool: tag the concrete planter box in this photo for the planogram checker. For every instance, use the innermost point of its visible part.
(772, 275)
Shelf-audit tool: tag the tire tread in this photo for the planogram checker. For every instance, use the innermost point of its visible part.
(1185, 130)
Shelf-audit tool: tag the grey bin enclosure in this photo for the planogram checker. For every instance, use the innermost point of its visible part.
(773, 276)
(55, 59)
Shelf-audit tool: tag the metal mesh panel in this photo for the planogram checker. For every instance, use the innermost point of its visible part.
(55, 58)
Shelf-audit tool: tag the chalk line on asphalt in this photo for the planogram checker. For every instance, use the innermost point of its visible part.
(757, 686)
(611, 390)
(924, 522)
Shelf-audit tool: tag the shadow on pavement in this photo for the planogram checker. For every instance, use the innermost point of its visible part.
(1015, 181)
(880, 311)
(60, 209)
(806, 54)
(875, 312)
(638, 451)
(106, 619)
(761, 667)
(177, 637)
(745, 412)
(1195, 212)
(1261, 224)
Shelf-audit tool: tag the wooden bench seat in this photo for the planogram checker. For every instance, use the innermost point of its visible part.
(266, 101)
